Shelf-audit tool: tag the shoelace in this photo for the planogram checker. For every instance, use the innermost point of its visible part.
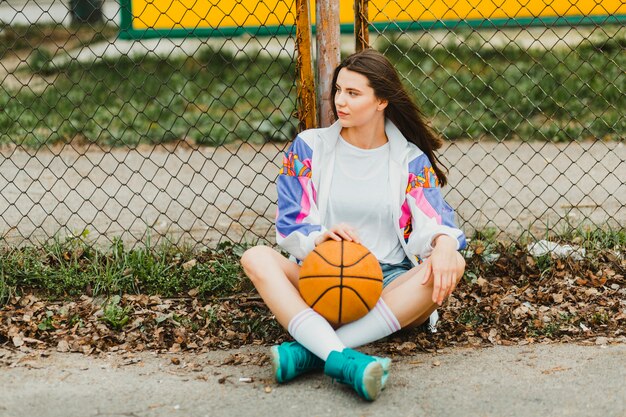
(349, 369)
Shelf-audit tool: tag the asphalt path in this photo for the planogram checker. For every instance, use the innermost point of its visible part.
(533, 380)
(211, 194)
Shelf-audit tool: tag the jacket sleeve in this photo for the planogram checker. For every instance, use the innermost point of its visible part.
(425, 214)
(297, 219)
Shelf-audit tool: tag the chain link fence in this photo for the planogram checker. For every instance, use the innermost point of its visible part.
(180, 138)
(532, 107)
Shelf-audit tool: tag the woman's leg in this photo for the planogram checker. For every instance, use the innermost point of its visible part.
(276, 280)
(405, 302)
(410, 300)
(402, 279)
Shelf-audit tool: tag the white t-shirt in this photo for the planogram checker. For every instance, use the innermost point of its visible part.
(360, 195)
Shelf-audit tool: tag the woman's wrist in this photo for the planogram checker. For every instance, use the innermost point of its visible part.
(444, 241)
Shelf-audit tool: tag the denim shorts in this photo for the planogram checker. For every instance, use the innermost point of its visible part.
(393, 271)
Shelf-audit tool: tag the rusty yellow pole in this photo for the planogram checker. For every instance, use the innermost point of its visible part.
(328, 55)
(361, 25)
(307, 108)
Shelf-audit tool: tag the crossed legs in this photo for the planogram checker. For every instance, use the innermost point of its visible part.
(276, 280)
(404, 302)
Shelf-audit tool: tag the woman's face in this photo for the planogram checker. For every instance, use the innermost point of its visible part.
(355, 101)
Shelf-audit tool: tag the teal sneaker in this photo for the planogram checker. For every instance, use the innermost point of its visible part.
(360, 371)
(291, 359)
(289, 371)
(384, 362)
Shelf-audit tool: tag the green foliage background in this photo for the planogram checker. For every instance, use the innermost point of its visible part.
(467, 89)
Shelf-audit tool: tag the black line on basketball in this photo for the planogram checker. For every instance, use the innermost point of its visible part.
(339, 266)
(337, 276)
(323, 294)
(357, 261)
(360, 298)
(326, 260)
(340, 285)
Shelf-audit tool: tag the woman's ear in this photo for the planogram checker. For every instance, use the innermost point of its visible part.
(382, 104)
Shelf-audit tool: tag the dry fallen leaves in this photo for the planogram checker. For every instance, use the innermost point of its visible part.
(510, 301)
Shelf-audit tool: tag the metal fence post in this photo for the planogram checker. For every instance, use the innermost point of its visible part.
(307, 108)
(361, 25)
(328, 54)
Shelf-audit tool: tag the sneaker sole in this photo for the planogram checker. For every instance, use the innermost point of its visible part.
(372, 380)
(276, 364)
(386, 364)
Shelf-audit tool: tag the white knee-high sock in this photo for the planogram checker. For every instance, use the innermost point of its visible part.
(314, 333)
(378, 323)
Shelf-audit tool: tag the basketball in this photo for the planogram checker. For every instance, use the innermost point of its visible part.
(342, 281)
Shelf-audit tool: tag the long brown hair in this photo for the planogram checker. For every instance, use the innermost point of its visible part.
(401, 110)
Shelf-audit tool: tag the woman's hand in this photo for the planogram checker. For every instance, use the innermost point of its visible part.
(441, 268)
(339, 232)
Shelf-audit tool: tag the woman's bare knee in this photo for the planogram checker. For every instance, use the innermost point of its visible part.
(262, 262)
(255, 258)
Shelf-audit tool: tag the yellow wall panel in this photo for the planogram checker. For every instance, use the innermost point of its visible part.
(194, 14)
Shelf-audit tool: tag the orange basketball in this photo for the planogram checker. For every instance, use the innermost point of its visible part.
(342, 281)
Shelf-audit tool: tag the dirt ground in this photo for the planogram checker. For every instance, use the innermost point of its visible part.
(531, 380)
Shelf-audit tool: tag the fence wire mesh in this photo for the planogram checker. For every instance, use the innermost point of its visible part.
(181, 138)
(534, 115)
(166, 137)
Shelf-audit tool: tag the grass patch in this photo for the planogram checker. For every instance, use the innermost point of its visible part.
(211, 99)
(467, 89)
(471, 90)
(70, 267)
(114, 315)
(595, 240)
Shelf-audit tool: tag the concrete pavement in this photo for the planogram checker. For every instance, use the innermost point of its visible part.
(533, 380)
(202, 194)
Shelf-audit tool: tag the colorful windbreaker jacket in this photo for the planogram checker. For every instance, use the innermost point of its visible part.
(304, 186)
